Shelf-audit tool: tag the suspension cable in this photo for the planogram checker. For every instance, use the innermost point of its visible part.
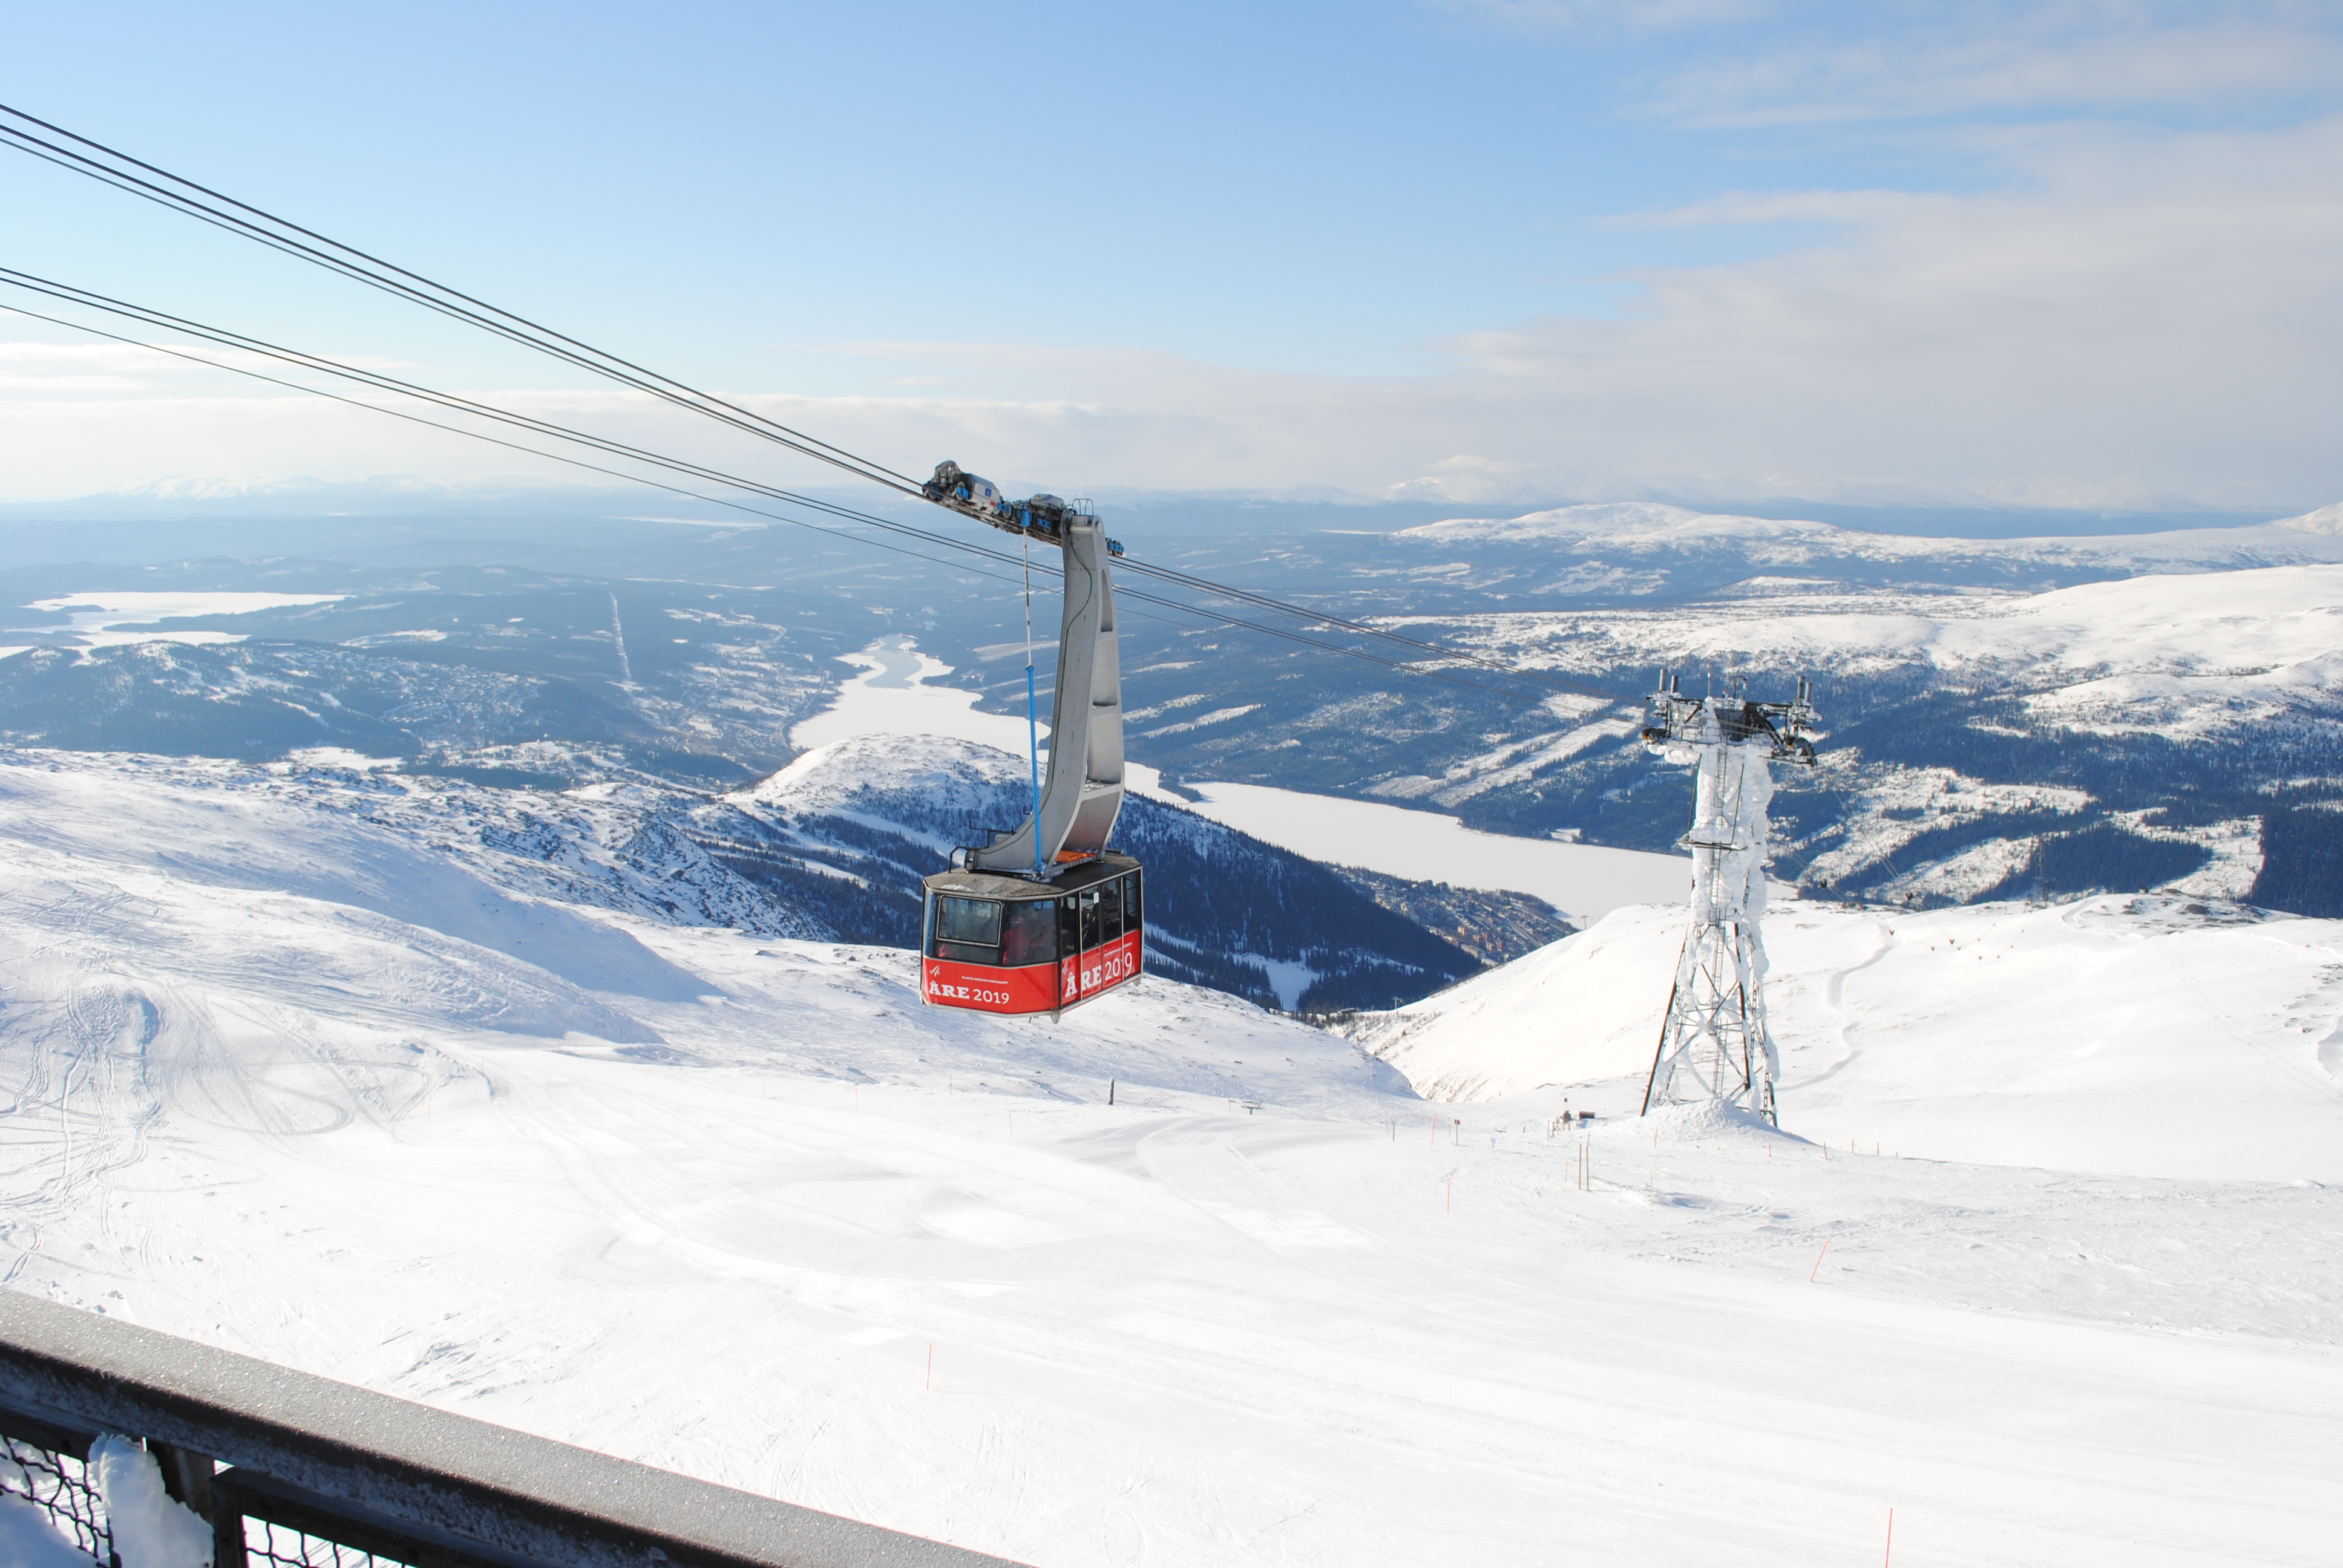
(120, 170)
(181, 194)
(389, 383)
(513, 445)
(382, 382)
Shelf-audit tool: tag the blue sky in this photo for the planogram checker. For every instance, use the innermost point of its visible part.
(2056, 255)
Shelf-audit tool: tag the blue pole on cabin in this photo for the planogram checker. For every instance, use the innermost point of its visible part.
(1033, 761)
(1032, 724)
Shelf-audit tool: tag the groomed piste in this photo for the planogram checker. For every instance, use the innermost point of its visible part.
(2043, 1258)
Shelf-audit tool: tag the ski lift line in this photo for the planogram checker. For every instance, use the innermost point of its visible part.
(375, 378)
(243, 232)
(420, 289)
(470, 318)
(380, 382)
(1224, 618)
(1205, 584)
(520, 326)
(509, 445)
(353, 263)
(1319, 618)
(1215, 617)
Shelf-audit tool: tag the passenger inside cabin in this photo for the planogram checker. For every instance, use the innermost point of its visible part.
(1031, 933)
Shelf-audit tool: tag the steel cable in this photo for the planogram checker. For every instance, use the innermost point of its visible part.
(283, 235)
(293, 357)
(173, 192)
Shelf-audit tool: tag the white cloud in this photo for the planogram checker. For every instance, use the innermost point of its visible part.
(2142, 320)
(1983, 60)
(2137, 318)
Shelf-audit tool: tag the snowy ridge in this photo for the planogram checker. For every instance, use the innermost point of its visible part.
(387, 841)
(954, 775)
(2325, 520)
(2152, 1036)
(831, 847)
(2183, 654)
(1652, 528)
(2222, 629)
(2208, 651)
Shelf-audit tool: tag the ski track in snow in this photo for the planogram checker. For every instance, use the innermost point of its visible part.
(295, 1081)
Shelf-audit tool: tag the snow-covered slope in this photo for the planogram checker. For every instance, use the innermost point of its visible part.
(2325, 520)
(2151, 1036)
(2202, 651)
(954, 780)
(338, 1084)
(163, 912)
(436, 853)
(1651, 528)
(2185, 654)
(831, 847)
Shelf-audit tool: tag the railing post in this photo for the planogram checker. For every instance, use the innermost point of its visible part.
(186, 1476)
(227, 1536)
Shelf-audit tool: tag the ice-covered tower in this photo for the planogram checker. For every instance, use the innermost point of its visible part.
(1714, 1045)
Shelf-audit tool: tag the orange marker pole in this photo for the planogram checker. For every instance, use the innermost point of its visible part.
(1818, 1261)
(1891, 1540)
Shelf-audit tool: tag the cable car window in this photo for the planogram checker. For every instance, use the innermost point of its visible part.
(1089, 902)
(1070, 927)
(1131, 902)
(1111, 910)
(1030, 934)
(968, 929)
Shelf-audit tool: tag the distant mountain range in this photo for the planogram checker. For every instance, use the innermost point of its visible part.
(2040, 714)
(2048, 716)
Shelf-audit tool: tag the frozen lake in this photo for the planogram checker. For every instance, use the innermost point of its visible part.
(1584, 882)
(97, 619)
(891, 697)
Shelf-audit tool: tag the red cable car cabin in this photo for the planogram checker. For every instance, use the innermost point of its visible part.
(1009, 944)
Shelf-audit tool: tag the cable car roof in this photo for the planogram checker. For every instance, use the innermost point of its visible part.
(987, 885)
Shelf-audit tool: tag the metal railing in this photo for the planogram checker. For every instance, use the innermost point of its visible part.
(47, 1465)
(299, 1472)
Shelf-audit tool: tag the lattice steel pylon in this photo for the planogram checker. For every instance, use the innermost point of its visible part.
(1714, 1045)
